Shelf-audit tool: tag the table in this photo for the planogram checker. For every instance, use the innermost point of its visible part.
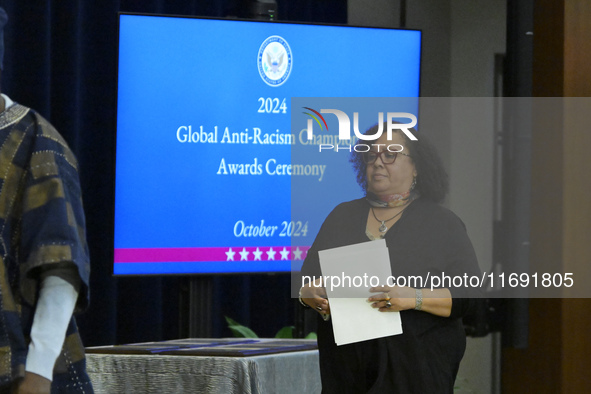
(228, 365)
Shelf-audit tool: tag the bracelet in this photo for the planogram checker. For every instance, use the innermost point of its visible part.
(302, 301)
(418, 299)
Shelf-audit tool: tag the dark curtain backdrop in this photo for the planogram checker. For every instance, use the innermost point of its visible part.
(61, 59)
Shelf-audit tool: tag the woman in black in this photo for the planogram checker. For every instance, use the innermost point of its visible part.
(403, 191)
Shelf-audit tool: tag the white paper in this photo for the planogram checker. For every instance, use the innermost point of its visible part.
(355, 269)
(354, 320)
(349, 270)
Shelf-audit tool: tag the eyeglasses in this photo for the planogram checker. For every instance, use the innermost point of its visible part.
(386, 157)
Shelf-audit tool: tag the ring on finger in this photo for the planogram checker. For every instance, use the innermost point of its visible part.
(388, 304)
(318, 308)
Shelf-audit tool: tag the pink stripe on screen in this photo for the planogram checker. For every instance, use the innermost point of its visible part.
(163, 255)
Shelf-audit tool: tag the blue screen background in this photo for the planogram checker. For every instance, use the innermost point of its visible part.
(202, 74)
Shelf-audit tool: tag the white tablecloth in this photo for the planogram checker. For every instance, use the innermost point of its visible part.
(295, 372)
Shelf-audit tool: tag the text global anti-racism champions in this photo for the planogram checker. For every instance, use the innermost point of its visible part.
(255, 136)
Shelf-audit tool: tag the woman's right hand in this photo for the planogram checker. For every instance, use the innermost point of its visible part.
(315, 297)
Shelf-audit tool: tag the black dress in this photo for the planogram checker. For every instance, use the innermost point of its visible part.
(425, 358)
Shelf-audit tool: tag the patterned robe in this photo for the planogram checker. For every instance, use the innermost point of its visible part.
(42, 230)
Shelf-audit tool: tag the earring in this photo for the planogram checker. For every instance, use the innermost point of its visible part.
(414, 183)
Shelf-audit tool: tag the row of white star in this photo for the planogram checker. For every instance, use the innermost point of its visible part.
(297, 254)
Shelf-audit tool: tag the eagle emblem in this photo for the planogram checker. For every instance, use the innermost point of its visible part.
(274, 61)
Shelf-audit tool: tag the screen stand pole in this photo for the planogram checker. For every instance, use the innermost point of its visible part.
(196, 298)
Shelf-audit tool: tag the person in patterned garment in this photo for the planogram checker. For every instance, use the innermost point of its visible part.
(44, 267)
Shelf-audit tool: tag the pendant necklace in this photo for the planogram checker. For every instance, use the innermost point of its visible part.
(383, 228)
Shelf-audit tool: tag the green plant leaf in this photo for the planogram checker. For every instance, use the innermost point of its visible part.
(285, 332)
(239, 330)
(311, 335)
(242, 332)
(231, 322)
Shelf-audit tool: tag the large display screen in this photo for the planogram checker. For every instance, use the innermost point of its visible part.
(204, 136)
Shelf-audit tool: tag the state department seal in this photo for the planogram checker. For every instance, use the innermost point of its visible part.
(274, 61)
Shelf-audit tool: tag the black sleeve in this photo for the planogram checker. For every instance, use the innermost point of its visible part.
(311, 266)
(338, 229)
(462, 262)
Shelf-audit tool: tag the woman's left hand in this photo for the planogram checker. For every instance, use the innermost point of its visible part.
(392, 299)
